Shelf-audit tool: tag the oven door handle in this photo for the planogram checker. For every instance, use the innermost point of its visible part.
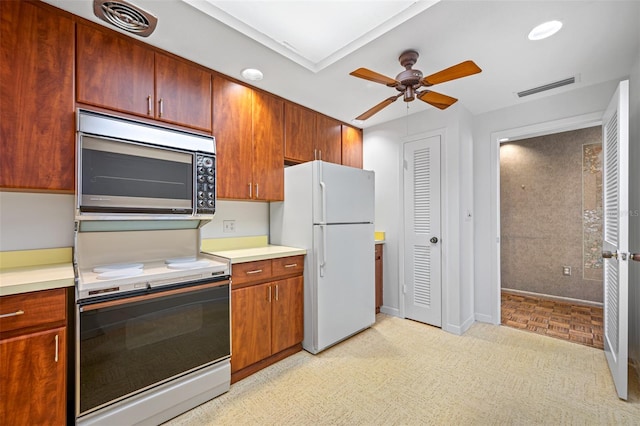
(150, 296)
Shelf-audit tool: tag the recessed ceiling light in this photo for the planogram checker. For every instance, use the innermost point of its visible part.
(357, 122)
(544, 30)
(252, 74)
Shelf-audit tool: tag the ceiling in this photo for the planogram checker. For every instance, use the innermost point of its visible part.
(599, 42)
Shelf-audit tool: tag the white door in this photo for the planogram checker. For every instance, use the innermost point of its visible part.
(345, 276)
(342, 194)
(422, 253)
(615, 246)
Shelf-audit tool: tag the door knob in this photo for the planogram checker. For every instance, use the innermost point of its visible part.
(609, 255)
(434, 240)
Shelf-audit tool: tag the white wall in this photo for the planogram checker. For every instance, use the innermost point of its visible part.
(588, 100)
(634, 218)
(383, 146)
(35, 221)
(251, 219)
(38, 220)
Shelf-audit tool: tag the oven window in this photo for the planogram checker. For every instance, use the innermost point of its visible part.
(126, 348)
(118, 169)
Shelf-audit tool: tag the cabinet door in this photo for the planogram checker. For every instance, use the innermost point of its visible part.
(37, 135)
(250, 325)
(232, 130)
(268, 147)
(351, 146)
(183, 93)
(33, 378)
(299, 133)
(287, 314)
(329, 139)
(378, 277)
(114, 72)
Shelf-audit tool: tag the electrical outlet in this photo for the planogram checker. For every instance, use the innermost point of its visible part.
(228, 226)
(566, 270)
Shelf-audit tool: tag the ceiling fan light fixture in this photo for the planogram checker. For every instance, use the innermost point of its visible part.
(544, 30)
(252, 74)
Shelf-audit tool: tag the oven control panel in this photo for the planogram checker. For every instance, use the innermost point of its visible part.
(206, 184)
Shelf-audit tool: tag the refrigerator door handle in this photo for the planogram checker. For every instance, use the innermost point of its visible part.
(323, 262)
(324, 202)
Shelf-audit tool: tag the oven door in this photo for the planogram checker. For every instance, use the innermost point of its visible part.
(131, 343)
(116, 176)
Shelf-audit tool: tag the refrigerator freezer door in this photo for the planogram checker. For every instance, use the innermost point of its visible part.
(342, 194)
(344, 283)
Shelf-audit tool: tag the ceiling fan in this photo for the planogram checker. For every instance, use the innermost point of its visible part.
(409, 81)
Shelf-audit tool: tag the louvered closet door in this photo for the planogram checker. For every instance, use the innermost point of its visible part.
(615, 245)
(422, 254)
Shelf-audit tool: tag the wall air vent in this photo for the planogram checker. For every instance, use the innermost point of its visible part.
(545, 87)
(125, 16)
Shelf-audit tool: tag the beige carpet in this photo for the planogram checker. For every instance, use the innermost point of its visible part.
(401, 372)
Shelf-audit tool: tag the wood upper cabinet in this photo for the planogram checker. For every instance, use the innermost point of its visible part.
(268, 147)
(233, 133)
(351, 146)
(299, 133)
(249, 131)
(114, 72)
(328, 139)
(183, 93)
(37, 135)
(33, 366)
(117, 73)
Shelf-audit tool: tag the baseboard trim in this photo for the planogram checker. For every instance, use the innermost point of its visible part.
(485, 318)
(552, 297)
(390, 311)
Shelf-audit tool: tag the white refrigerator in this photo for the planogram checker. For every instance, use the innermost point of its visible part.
(329, 211)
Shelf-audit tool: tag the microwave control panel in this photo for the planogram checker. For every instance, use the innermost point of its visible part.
(206, 184)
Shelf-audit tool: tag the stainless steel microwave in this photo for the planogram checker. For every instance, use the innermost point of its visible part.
(129, 168)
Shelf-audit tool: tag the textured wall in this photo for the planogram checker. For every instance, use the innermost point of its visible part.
(550, 192)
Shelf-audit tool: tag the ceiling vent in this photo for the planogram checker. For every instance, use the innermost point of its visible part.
(546, 87)
(125, 16)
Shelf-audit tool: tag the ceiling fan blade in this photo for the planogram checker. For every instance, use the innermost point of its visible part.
(438, 100)
(378, 107)
(463, 69)
(374, 76)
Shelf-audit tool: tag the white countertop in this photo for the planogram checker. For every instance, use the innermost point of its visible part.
(258, 253)
(35, 278)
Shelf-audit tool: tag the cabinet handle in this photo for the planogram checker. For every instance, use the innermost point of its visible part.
(255, 271)
(315, 154)
(276, 292)
(257, 190)
(56, 357)
(320, 155)
(161, 108)
(269, 299)
(149, 105)
(291, 265)
(250, 190)
(13, 314)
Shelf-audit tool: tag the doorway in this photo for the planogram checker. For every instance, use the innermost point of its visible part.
(551, 235)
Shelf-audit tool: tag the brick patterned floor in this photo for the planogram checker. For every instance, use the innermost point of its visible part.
(576, 323)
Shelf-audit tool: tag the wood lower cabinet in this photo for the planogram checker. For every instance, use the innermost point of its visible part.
(266, 317)
(37, 135)
(249, 130)
(115, 72)
(378, 263)
(351, 146)
(33, 369)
